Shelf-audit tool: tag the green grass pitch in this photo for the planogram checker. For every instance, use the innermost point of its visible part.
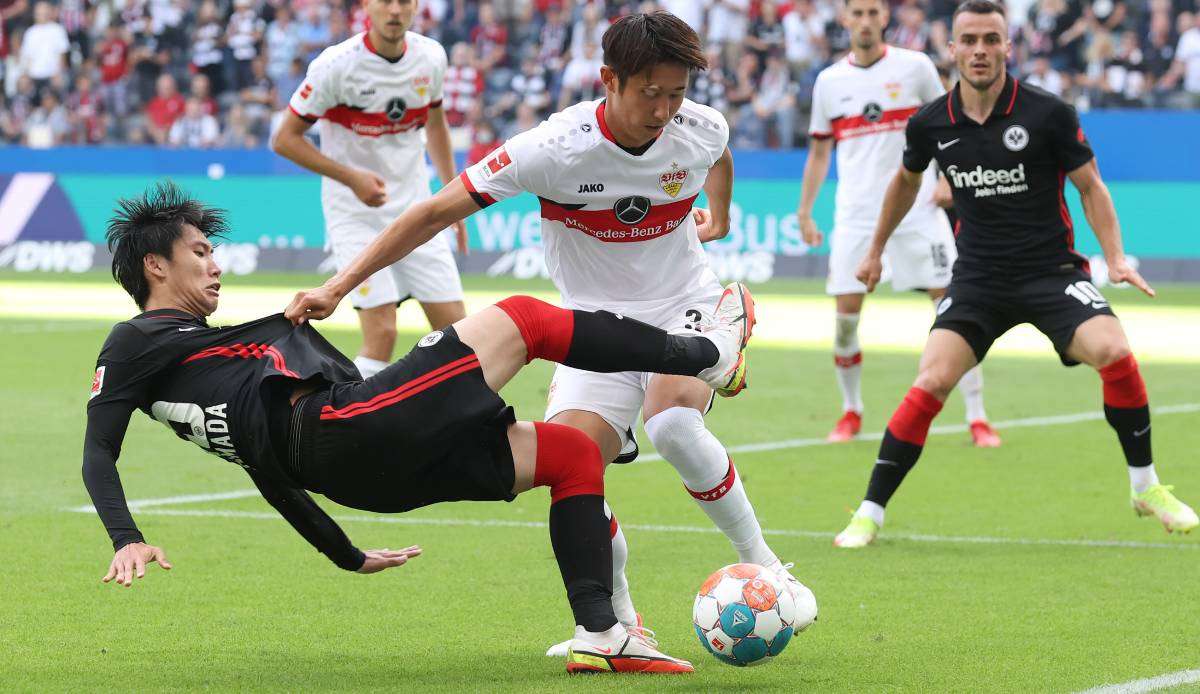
(1019, 569)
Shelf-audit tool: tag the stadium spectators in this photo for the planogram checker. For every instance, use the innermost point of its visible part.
(514, 61)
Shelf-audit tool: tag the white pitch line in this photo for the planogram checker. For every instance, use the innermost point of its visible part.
(689, 529)
(1151, 684)
(138, 504)
(941, 429)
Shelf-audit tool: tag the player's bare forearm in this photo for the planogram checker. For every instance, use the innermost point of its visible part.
(289, 142)
(1098, 209)
(718, 188)
(899, 199)
(440, 151)
(816, 170)
(417, 225)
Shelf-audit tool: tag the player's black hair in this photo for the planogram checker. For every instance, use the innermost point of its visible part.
(636, 42)
(151, 223)
(979, 7)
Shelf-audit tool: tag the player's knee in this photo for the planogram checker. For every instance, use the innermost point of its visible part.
(674, 431)
(541, 326)
(568, 462)
(1111, 352)
(937, 382)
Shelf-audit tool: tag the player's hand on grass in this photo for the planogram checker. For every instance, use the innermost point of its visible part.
(1119, 270)
(460, 233)
(869, 271)
(380, 559)
(312, 304)
(810, 233)
(368, 187)
(130, 562)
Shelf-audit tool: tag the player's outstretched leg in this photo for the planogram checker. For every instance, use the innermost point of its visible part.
(947, 356)
(1101, 343)
(568, 462)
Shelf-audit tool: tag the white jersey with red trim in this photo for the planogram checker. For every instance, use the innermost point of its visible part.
(865, 111)
(372, 112)
(617, 227)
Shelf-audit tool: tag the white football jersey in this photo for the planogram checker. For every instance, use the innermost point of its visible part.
(617, 227)
(865, 111)
(372, 112)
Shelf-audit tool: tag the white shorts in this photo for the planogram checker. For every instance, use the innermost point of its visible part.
(618, 397)
(428, 274)
(916, 257)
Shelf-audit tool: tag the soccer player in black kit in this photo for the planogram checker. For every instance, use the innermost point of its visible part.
(282, 403)
(1007, 149)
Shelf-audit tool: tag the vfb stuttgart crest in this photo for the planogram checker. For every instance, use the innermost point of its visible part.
(672, 181)
(396, 108)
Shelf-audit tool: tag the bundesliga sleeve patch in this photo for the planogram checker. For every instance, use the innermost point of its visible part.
(497, 163)
(97, 382)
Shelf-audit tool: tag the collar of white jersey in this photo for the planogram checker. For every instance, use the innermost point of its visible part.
(603, 124)
(371, 47)
(850, 59)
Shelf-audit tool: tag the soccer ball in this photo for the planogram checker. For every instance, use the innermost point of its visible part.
(744, 615)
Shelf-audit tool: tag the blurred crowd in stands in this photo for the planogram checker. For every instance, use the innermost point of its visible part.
(215, 73)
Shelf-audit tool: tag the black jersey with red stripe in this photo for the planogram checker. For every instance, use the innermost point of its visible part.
(1007, 176)
(206, 384)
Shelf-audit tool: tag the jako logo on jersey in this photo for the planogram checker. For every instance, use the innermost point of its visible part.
(1015, 138)
(672, 181)
(632, 209)
(591, 187)
(1005, 181)
(97, 382)
(396, 108)
(431, 339)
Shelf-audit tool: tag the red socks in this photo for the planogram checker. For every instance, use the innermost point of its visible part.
(1123, 384)
(568, 462)
(910, 422)
(546, 329)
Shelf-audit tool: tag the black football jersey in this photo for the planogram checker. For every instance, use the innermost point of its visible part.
(205, 384)
(1007, 176)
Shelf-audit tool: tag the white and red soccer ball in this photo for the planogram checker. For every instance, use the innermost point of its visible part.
(744, 615)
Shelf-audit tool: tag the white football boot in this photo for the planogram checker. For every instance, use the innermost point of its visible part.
(730, 330)
(620, 650)
(806, 602)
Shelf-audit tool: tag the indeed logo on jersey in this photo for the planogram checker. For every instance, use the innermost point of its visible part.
(989, 182)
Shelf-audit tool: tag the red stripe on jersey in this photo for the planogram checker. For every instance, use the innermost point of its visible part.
(856, 126)
(1065, 213)
(1013, 99)
(604, 225)
(409, 389)
(310, 119)
(481, 199)
(604, 125)
(250, 351)
(950, 107)
(373, 124)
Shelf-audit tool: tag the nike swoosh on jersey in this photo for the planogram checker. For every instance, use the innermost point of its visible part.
(943, 145)
(184, 330)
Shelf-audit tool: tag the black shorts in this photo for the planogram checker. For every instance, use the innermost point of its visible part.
(981, 308)
(424, 430)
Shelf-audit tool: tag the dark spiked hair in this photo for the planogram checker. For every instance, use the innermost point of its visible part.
(637, 42)
(151, 223)
(979, 7)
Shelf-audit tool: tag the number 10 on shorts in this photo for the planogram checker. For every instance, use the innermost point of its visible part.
(1086, 293)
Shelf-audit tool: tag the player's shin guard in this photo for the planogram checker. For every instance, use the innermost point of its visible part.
(708, 474)
(902, 444)
(604, 342)
(847, 361)
(1127, 410)
(569, 463)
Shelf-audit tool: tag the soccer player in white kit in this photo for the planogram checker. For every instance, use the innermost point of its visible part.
(376, 95)
(616, 179)
(862, 103)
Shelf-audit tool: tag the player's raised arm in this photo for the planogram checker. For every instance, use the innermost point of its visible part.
(418, 224)
(1102, 217)
(713, 223)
